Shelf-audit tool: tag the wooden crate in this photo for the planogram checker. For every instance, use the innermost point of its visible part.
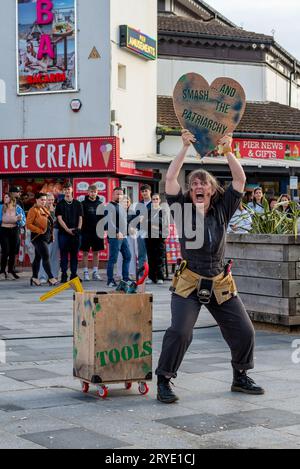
(112, 337)
(267, 273)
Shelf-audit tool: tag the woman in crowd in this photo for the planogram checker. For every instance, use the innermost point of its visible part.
(40, 223)
(256, 204)
(12, 218)
(285, 200)
(54, 255)
(241, 221)
(157, 234)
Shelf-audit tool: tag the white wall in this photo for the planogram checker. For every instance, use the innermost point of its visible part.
(135, 106)
(50, 115)
(251, 77)
(260, 82)
(278, 89)
(2, 92)
(172, 145)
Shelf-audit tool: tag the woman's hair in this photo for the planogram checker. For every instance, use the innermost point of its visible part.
(12, 201)
(205, 176)
(40, 195)
(287, 196)
(127, 198)
(273, 199)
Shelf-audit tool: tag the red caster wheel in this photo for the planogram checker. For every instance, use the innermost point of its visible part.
(143, 389)
(103, 392)
(85, 387)
(128, 386)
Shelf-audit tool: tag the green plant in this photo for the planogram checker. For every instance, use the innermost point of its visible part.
(275, 221)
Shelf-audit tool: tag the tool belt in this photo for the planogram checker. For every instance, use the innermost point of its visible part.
(185, 282)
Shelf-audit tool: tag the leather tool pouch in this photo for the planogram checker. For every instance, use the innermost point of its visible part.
(185, 284)
(225, 289)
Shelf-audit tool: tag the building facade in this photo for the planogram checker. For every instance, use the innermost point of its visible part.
(193, 37)
(66, 112)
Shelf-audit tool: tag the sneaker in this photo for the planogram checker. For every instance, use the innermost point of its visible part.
(2, 276)
(96, 276)
(10, 276)
(149, 282)
(15, 275)
(165, 393)
(160, 282)
(43, 281)
(86, 276)
(242, 383)
(112, 284)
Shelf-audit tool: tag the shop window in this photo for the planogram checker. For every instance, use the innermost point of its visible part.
(122, 77)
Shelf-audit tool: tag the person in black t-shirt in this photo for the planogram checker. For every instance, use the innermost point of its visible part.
(203, 278)
(90, 239)
(69, 215)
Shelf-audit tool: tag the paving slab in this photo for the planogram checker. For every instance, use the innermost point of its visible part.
(76, 438)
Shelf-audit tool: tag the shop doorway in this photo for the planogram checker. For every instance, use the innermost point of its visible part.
(131, 190)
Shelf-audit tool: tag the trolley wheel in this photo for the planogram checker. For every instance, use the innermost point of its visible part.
(128, 386)
(85, 387)
(143, 388)
(103, 392)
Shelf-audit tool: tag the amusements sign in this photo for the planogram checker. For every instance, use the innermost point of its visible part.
(47, 55)
(208, 112)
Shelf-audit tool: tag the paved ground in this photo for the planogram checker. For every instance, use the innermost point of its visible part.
(41, 405)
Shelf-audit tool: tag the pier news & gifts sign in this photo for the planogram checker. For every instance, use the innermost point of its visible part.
(46, 49)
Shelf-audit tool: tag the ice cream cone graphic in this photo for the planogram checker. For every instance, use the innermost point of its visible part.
(106, 152)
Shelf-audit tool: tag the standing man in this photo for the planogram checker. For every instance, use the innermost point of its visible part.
(143, 210)
(117, 237)
(90, 239)
(69, 215)
(15, 191)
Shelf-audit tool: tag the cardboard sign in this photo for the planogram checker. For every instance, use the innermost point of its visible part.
(208, 112)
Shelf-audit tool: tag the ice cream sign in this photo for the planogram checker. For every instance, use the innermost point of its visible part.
(59, 155)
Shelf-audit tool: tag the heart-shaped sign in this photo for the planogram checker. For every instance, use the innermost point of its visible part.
(208, 112)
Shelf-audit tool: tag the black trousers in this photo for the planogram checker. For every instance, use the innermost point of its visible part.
(68, 245)
(156, 252)
(234, 323)
(41, 254)
(9, 240)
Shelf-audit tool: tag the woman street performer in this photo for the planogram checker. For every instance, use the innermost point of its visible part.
(203, 278)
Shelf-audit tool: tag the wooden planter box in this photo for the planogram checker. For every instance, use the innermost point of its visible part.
(112, 337)
(267, 272)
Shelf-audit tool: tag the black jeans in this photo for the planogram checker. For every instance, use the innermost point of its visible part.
(41, 253)
(234, 323)
(9, 240)
(68, 244)
(156, 252)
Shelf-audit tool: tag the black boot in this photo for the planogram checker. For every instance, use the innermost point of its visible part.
(64, 278)
(242, 383)
(165, 393)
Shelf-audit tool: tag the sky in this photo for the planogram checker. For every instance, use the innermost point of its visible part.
(263, 16)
